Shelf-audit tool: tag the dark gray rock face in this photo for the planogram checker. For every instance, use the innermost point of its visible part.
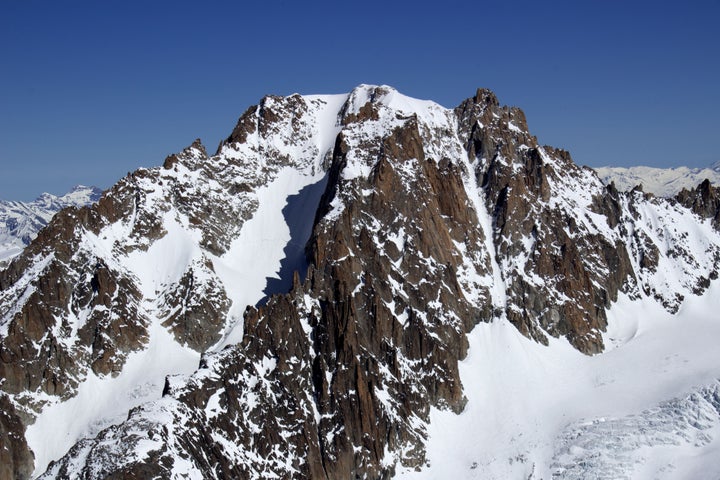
(16, 459)
(431, 221)
(704, 200)
(530, 191)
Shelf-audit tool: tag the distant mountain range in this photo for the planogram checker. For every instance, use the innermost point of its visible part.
(21, 221)
(663, 182)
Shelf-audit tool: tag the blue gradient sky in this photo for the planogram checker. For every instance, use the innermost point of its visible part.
(90, 90)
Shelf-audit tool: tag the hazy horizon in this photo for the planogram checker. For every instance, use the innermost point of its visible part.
(92, 91)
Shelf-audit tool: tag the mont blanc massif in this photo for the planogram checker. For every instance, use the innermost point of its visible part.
(367, 286)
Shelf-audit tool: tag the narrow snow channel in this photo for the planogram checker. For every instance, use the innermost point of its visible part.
(271, 245)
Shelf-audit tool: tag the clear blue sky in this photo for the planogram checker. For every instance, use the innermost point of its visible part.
(90, 90)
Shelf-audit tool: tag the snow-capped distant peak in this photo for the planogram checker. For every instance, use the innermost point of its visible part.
(663, 182)
(78, 196)
(21, 221)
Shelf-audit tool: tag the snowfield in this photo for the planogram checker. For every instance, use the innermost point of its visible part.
(647, 408)
(102, 402)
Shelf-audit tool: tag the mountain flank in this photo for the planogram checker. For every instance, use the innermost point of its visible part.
(232, 337)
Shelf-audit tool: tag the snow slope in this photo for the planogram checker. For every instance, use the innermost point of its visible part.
(664, 182)
(104, 401)
(648, 408)
(259, 262)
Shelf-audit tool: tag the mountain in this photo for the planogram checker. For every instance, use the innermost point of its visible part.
(664, 182)
(20, 221)
(365, 286)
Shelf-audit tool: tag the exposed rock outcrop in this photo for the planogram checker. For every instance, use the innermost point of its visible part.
(16, 459)
(704, 200)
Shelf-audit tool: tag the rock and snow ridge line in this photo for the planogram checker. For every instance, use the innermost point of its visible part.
(21, 221)
(373, 157)
(180, 258)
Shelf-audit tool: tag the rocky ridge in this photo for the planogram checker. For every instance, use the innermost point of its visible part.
(430, 221)
(703, 200)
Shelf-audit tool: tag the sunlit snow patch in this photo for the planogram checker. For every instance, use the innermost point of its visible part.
(648, 408)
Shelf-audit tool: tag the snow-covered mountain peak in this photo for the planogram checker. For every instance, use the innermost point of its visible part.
(296, 131)
(324, 268)
(389, 98)
(78, 196)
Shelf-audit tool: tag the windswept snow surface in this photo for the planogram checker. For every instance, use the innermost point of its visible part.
(649, 407)
(261, 261)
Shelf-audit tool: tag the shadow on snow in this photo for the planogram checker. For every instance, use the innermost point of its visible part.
(299, 215)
